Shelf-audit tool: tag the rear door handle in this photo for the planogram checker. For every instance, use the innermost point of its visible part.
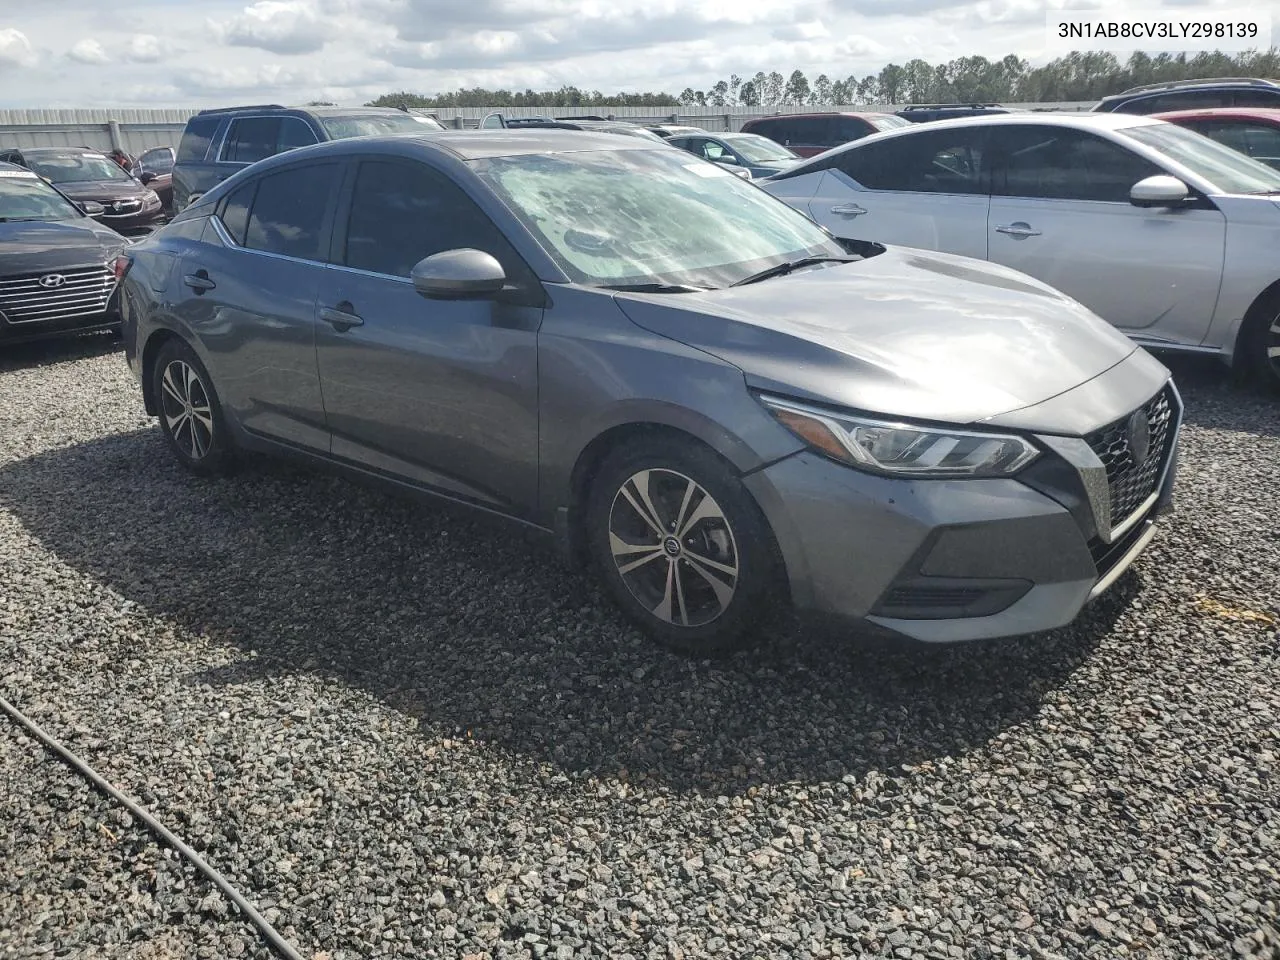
(199, 281)
(1019, 230)
(342, 317)
(848, 210)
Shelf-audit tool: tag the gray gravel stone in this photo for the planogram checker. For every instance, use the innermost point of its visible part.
(407, 732)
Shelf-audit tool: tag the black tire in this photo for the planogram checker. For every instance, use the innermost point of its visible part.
(190, 414)
(681, 593)
(1261, 345)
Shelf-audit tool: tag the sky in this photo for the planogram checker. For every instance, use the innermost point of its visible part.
(85, 53)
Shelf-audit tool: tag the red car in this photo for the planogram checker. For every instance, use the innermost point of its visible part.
(809, 134)
(1254, 131)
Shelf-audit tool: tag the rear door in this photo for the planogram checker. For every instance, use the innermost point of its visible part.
(924, 189)
(1061, 212)
(443, 393)
(194, 170)
(249, 294)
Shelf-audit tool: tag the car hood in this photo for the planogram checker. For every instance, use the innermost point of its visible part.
(906, 333)
(37, 247)
(101, 190)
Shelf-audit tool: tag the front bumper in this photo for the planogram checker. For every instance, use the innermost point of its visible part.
(948, 560)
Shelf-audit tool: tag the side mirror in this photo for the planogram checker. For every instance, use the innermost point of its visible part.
(91, 208)
(1158, 191)
(146, 177)
(725, 158)
(463, 274)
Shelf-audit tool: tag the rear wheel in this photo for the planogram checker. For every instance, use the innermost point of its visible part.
(190, 415)
(681, 546)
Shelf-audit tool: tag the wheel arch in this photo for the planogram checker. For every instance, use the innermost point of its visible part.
(1257, 313)
(150, 351)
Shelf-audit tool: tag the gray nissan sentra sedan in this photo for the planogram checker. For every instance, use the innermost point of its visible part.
(692, 386)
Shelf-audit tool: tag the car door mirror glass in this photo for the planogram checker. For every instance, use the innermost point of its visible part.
(458, 274)
(1158, 191)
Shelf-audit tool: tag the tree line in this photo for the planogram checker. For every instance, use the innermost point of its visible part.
(1076, 76)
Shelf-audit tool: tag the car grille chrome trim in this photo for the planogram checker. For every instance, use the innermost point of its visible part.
(84, 291)
(1135, 452)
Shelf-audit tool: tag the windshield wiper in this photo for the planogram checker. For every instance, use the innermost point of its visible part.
(654, 287)
(784, 268)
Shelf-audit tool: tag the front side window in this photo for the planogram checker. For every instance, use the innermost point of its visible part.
(1228, 170)
(158, 161)
(234, 211)
(24, 196)
(628, 217)
(844, 129)
(251, 139)
(934, 161)
(1185, 100)
(402, 212)
(287, 216)
(76, 167)
(1057, 163)
(294, 133)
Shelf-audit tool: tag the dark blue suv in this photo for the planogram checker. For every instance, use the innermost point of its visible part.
(217, 143)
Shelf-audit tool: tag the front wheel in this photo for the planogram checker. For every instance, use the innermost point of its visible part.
(190, 415)
(1262, 346)
(681, 545)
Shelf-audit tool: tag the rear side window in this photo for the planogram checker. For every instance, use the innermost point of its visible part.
(844, 129)
(805, 131)
(196, 138)
(287, 216)
(939, 161)
(251, 139)
(1184, 100)
(402, 212)
(766, 128)
(235, 211)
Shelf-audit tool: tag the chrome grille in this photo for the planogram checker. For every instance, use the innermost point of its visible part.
(1132, 478)
(121, 208)
(83, 292)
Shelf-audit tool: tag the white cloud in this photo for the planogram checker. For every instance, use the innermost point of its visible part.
(15, 49)
(278, 26)
(88, 51)
(144, 48)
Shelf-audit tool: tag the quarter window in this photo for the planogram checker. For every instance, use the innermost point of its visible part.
(1055, 163)
(941, 161)
(288, 211)
(402, 212)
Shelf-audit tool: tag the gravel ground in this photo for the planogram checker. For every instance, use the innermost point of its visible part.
(403, 731)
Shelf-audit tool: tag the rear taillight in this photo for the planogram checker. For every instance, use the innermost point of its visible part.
(121, 266)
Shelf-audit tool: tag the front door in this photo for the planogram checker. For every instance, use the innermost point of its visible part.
(441, 393)
(1061, 213)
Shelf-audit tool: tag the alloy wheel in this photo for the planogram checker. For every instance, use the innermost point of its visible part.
(673, 547)
(1271, 346)
(186, 409)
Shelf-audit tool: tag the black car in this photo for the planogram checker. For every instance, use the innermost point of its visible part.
(58, 266)
(1193, 95)
(85, 175)
(218, 143)
(928, 112)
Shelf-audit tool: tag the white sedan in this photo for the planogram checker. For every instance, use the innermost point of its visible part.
(1164, 233)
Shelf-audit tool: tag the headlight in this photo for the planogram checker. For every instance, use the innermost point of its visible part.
(903, 449)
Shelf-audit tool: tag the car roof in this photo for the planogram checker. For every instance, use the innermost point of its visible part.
(58, 151)
(822, 113)
(8, 167)
(480, 144)
(1270, 114)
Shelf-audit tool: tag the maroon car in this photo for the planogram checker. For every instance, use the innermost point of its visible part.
(85, 175)
(1254, 131)
(809, 134)
(154, 168)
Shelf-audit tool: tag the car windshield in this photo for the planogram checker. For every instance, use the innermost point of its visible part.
(377, 124)
(75, 167)
(757, 149)
(25, 197)
(632, 217)
(888, 121)
(1229, 171)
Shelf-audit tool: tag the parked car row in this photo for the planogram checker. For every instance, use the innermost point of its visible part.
(129, 205)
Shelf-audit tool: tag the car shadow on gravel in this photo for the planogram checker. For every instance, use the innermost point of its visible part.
(479, 630)
(68, 349)
(1217, 399)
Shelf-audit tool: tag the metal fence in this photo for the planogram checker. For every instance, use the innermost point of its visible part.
(136, 129)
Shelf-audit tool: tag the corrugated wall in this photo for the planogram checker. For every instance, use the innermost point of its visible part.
(138, 128)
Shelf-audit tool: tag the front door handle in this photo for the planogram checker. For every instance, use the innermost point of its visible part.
(848, 210)
(342, 317)
(1019, 230)
(199, 281)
